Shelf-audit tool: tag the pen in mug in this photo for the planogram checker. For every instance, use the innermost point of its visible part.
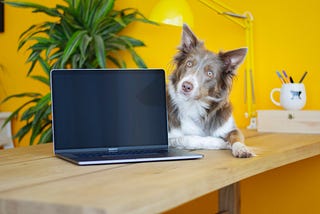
(291, 80)
(302, 78)
(280, 77)
(286, 76)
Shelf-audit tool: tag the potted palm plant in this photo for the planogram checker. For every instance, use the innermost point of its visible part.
(83, 34)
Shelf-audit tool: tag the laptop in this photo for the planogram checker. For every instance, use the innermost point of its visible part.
(108, 116)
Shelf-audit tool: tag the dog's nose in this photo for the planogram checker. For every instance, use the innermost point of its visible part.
(187, 86)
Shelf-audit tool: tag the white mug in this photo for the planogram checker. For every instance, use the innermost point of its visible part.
(292, 96)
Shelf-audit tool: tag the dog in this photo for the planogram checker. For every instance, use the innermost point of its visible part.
(199, 110)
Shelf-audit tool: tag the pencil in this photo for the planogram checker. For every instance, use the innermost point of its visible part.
(302, 78)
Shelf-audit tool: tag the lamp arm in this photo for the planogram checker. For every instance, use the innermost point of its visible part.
(220, 4)
(220, 8)
(245, 21)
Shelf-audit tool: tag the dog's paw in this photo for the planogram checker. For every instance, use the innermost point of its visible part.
(240, 150)
(215, 143)
(198, 142)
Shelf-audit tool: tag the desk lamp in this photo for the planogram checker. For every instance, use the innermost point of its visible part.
(177, 12)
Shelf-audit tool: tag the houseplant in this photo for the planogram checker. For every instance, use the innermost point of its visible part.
(83, 34)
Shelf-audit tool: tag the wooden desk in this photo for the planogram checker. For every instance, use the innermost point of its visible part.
(33, 181)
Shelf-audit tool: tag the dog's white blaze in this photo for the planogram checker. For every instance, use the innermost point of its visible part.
(201, 63)
(192, 79)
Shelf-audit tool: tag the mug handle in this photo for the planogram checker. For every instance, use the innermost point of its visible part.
(271, 96)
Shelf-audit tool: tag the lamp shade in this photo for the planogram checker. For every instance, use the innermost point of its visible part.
(172, 12)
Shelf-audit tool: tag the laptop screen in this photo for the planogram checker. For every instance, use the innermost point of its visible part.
(108, 108)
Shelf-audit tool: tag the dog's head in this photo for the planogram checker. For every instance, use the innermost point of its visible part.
(200, 73)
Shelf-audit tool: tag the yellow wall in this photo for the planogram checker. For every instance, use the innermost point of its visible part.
(286, 35)
(14, 70)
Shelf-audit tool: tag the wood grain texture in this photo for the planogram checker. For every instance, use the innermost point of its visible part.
(33, 177)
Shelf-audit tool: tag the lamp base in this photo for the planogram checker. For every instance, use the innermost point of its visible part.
(253, 123)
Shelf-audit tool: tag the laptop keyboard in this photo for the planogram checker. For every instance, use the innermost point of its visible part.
(120, 153)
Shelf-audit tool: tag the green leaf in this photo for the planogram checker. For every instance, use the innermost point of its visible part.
(16, 112)
(27, 114)
(28, 30)
(84, 45)
(36, 7)
(120, 21)
(66, 29)
(45, 66)
(75, 61)
(69, 19)
(23, 131)
(92, 18)
(137, 59)
(40, 39)
(28, 35)
(27, 94)
(39, 47)
(48, 51)
(46, 136)
(106, 8)
(133, 42)
(39, 116)
(33, 56)
(118, 62)
(100, 50)
(35, 131)
(72, 44)
(56, 55)
(42, 79)
(87, 10)
(31, 67)
(114, 61)
(43, 102)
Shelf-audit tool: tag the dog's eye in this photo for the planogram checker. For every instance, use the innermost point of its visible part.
(189, 64)
(210, 74)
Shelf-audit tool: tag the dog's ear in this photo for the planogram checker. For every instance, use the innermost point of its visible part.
(232, 59)
(189, 39)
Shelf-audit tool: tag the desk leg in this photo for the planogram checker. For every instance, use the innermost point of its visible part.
(229, 199)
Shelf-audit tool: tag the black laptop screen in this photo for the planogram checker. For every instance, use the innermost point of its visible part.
(108, 108)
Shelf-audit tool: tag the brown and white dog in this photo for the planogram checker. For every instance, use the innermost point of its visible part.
(199, 110)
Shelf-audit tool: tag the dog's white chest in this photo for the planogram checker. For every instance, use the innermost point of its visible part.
(189, 126)
(191, 118)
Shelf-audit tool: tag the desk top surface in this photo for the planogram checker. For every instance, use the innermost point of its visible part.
(33, 180)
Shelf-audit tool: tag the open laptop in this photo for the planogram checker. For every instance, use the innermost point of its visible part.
(111, 116)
